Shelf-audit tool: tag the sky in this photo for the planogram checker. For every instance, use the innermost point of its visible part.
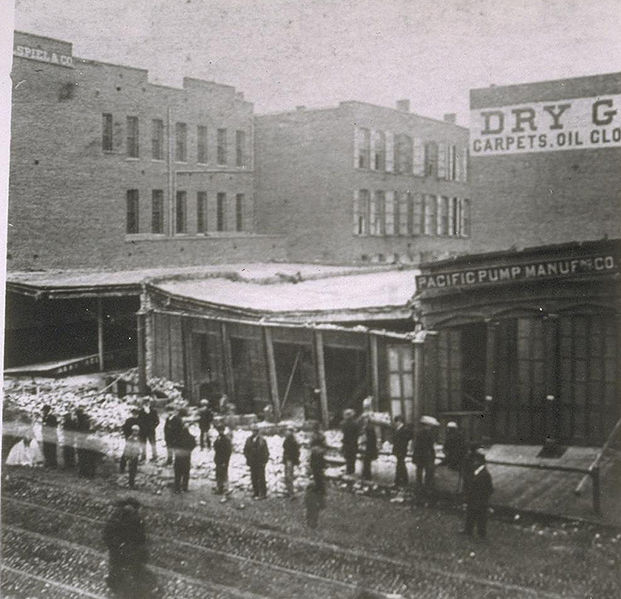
(285, 53)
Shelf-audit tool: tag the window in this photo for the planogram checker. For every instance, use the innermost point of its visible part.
(418, 214)
(201, 144)
(107, 135)
(465, 218)
(132, 212)
(401, 373)
(379, 151)
(442, 160)
(403, 154)
(181, 142)
(221, 212)
(363, 137)
(239, 212)
(404, 213)
(132, 137)
(181, 212)
(444, 217)
(430, 214)
(222, 146)
(431, 159)
(157, 139)
(376, 213)
(361, 211)
(157, 211)
(201, 212)
(389, 213)
(240, 148)
(419, 157)
(451, 169)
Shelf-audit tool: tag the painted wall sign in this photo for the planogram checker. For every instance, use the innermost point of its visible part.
(518, 272)
(579, 123)
(43, 55)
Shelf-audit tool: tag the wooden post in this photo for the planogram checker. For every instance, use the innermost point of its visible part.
(418, 384)
(142, 360)
(490, 378)
(228, 360)
(375, 386)
(271, 369)
(321, 376)
(100, 331)
(597, 508)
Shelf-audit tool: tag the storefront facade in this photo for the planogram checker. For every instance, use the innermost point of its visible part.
(530, 340)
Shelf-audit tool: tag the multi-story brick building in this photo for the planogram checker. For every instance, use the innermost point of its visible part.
(544, 162)
(363, 183)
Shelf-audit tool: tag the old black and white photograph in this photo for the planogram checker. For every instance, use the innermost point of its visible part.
(310, 299)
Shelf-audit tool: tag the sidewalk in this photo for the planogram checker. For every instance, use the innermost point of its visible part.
(521, 489)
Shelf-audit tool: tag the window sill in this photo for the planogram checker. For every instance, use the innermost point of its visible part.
(132, 159)
(158, 160)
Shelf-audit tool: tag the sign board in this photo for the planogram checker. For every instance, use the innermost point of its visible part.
(579, 123)
(42, 55)
(518, 272)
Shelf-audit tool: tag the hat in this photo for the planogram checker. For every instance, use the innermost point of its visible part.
(451, 424)
(348, 413)
(430, 420)
(204, 402)
(135, 427)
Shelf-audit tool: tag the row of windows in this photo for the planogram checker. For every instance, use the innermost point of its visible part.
(402, 154)
(405, 213)
(181, 212)
(181, 142)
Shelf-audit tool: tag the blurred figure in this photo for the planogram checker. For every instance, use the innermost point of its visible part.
(82, 428)
(257, 455)
(49, 436)
(222, 450)
(132, 452)
(69, 429)
(172, 431)
(205, 418)
(314, 501)
(126, 429)
(317, 436)
(454, 447)
(478, 492)
(401, 440)
(350, 430)
(148, 421)
(317, 464)
(290, 458)
(183, 459)
(25, 452)
(424, 454)
(125, 538)
(369, 447)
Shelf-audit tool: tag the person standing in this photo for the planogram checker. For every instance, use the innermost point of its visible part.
(205, 418)
(132, 452)
(291, 459)
(183, 459)
(148, 421)
(317, 463)
(257, 456)
(350, 430)
(49, 435)
(478, 492)
(401, 440)
(314, 501)
(454, 447)
(369, 451)
(222, 450)
(82, 428)
(126, 429)
(69, 429)
(424, 454)
(172, 431)
(125, 539)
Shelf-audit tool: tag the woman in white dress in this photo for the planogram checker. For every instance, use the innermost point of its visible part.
(26, 451)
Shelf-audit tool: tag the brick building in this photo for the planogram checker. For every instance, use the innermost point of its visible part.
(544, 162)
(363, 183)
(110, 172)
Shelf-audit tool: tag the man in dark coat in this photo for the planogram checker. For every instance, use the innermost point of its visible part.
(50, 436)
(172, 431)
(454, 447)
(369, 451)
(82, 430)
(478, 492)
(424, 454)
(126, 429)
(222, 450)
(400, 442)
(125, 538)
(350, 430)
(205, 418)
(183, 459)
(257, 455)
(148, 421)
(131, 453)
(290, 458)
(69, 429)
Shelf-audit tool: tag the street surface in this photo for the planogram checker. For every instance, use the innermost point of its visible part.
(364, 547)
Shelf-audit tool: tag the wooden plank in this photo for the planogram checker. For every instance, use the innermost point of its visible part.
(227, 360)
(100, 332)
(321, 375)
(374, 355)
(271, 368)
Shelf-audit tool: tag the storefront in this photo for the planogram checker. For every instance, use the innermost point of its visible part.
(528, 340)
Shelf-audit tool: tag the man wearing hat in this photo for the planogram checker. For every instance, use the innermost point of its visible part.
(257, 455)
(132, 452)
(173, 426)
(183, 457)
(222, 450)
(148, 421)
(205, 418)
(290, 458)
(454, 447)
(350, 430)
(50, 436)
(424, 453)
(478, 492)
(400, 442)
(126, 429)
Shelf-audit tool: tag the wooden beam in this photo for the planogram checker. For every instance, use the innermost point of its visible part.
(100, 330)
(418, 384)
(490, 376)
(228, 361)
(374, 356)
(142, 359)
(271, 369)
(321, 376)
